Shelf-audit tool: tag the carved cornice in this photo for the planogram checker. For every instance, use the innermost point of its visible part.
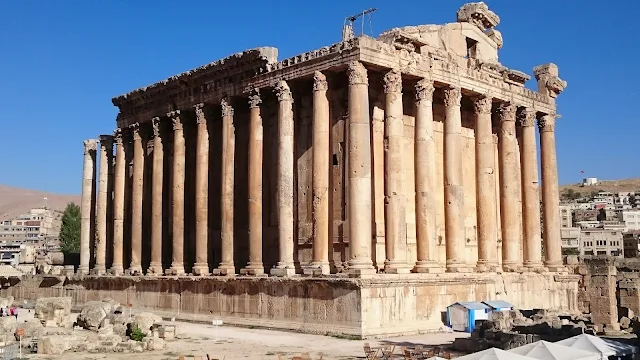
(156, 126)
(282, 91)
(176, 122)
(526, 117)
(254, 98)
(200, 116)
(548, 80)
(507, 111)
(482, 104)
(106, 141)
(392, 82)
(135, 131)
(424, 90)
(90, 145)
(227, 109)
(357, 73)
(547, 123)
(452, 96)
(117, 136)
(319, 81)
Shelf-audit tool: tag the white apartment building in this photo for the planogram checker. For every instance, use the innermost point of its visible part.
(33, 227)
(601, 242)
(566, 216)
(630, 218)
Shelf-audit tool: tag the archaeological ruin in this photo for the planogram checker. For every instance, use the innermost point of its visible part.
(358, 188)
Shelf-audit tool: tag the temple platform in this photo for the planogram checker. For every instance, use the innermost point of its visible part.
(377, 306)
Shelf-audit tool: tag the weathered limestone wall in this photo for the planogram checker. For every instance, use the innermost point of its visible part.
(382, 306)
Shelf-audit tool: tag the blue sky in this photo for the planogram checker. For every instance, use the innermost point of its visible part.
(62, 61)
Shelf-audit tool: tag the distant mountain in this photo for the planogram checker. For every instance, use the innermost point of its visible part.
(613, 186)
(15, 201)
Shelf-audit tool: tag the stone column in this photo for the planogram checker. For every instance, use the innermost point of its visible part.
(118, 205)
(550, 193)
(177, 195)
(395, 204)
(485, 187)
(359, 172)
(227, 266)
(320, 179)
(511, 259)
(530, 185)
(135, 268)
(255, 266)
(453, 189)
(87, 201)
(106, 162)
(425, 173)
(286, 235)
(155, 267)
(201, 265)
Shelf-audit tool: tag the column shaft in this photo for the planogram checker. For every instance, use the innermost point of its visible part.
(395, 204)
(118, 205)
(454, 192)
(87, 202)
(425, 175)
(106, 159)
(485, 187)
(550, 193)
(286, 235)
(255, 266)
(155, 267)
(177, 195)
(201, 265)
(135, 267)
(227, 266)
(359, 172)
(530, 185)
(509, 194)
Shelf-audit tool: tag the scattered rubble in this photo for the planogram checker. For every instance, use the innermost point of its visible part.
(510, 329)
(54, 311)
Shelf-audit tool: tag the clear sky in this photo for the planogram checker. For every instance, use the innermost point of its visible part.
(62, 61)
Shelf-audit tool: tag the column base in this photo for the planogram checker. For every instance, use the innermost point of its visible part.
(486, 267)
(98, 270)
(317, 268)
(134, 270)
(555, 267)
(361, 267)
(225, 269)
(535, 267)
(283, 269)
(83, 270)
(200, 269)
(176, 269)
(253, 269)
(396, 267)
(155, 269)
(116, 270)
(428, 267)
(458, 267)
(511, 267)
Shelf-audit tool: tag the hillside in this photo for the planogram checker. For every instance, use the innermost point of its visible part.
(612, 186)
(15, 201)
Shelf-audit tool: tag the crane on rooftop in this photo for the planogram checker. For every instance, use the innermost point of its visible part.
(347, 28)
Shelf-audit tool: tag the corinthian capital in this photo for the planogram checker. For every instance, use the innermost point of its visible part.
(254, 98)
(90, 145)
(176, 121)
(547, 123)
(200, 117)
(526, 117)
(482, 104)
(424, 90)
(319, 81)
(135, 131)
(452, 96)
(156, 126)
(392, 82)
(357, 73)
(282, 90)
(117, 136)
(106, 141)
(507, 112)
(227, 109)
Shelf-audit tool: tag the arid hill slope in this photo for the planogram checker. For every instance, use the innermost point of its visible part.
(613, 186)
(15, 201)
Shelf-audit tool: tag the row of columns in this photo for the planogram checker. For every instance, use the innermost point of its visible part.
(359, 186)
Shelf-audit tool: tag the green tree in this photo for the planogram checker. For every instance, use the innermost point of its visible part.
(70, 229)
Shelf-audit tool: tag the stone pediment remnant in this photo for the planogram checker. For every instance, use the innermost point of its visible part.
(478, 14)
(549, 83)
(495, 36)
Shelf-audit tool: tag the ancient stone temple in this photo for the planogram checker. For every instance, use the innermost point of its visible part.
(366, 185)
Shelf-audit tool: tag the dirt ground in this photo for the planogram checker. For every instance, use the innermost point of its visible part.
(240, 343)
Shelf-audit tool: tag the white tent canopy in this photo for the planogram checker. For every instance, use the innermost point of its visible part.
(493, 354)
(544, 350)
(598, 345)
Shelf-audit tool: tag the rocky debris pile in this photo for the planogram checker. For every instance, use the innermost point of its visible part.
(54, 311)
(105, 328)
(510, 329)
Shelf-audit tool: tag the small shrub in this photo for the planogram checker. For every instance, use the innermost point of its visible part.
(137, 334)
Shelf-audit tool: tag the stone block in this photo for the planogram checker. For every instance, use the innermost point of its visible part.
(54, 311)
(152, 344)
(58, 344)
